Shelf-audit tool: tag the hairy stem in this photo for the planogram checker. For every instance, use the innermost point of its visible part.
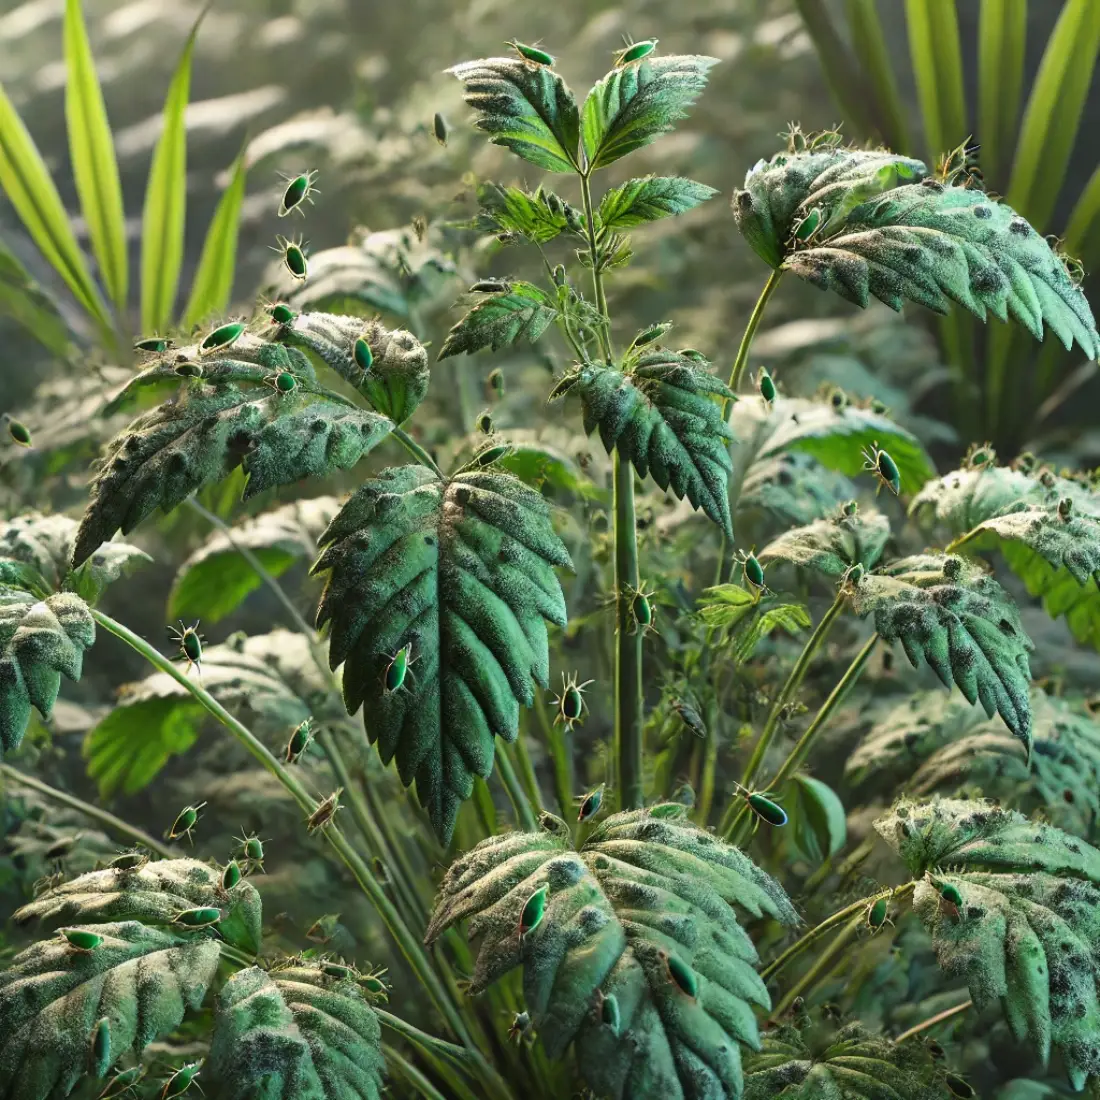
(820, 968)
(107, 820)
(412, 1076)
(525, 816)
(757, 315)
(939, 1018)
(416, 450)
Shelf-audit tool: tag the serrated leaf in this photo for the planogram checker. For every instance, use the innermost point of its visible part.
(143, 980)
(649, 199)
(934, 245)
(523, 311)
(819, 819)
(780, 192)
(791, 617)
(39, 640)
(836, 438)
(662, 418)
(537, 462)
(463, 571)
(726, 605)
(514, 210)
(635, 104)
(964, 498)
(216, 578)
(832, 546)
(294, 1034)
(1027, 931)
(231, 416)
(801, 1061)
(646, 887)
(153, 894)
(794, 488)
(949, 612)
(270, 678)
(525, 107)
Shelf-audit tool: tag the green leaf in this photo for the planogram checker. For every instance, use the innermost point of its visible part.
(24, 301)
(661, 417)
(791, 617)
(92, 152)
(780, 192)
(794, 488)
(726, 605)
(143, 980)
(646, 889)
(39, 640)
(162, 223)
(807, 1061)
(1027, 931)
(1002, 42)
(635, 104)
(155, 894)
(537, 462)
(269, 678)
(966, 497)
(819, 819)
(832, 546)
(537, 216)
(28, 186)
(398, 377)
(212, 287)
(525, 107)
(836, 437)
(294, 1034)
(45, 544)
(949, 612)
(462, 571)
(216, 578)
(649, 199)
(232, 416)
(933, 32)
(936, 244)
(522, 311)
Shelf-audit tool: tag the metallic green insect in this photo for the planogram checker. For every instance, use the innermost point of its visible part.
(281, 313)
(203, 916)
(534, 909)
(129, 861)
(190, 643)
(683, 977)
(299, 190)
(440, 128)
(81, 940)
(374, 984)
(531, 53)
(641, 610)
(231, 875)
(221, 338)
(294, 257)
(690, 717)
(157, 344)
(635, 51)
(122, 1082)
(591, 803)
(484, 423)
(180, 1081)
(252, 851)
(570, 703)
(362, 354)
(883, 467)
(877, 913)
(496, 382)
(763, 807)
(18, 431)
(300, 740)
(753, 572)
(766, 385)
(185, 821)
(101, 1047)
(324, 813)
(397, 669)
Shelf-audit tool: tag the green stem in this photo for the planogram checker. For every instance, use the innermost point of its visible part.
(742, 359)
(604, 334)
(416, 450)
(430, 1044)
(527, 772)
(559, 745)
(235, 955)
(939, 1018)
(525, 816)
(825, 961)
(107, 820)
(413, 1077)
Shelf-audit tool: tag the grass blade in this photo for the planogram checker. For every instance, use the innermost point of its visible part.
(166, 202)
(1054, 112)
(937, 65)
(870, 47)
(27, 183)
(213, 284)
(1002, 36)
(1083, 222)
(92, 149)
(25, 302)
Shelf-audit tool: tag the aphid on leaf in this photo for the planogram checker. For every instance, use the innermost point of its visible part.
(883, 466)
(765, 806)
(185, 821)
(299, 190)
(531, 53)
(489, 286)
(440, 128)
(766, 385)
(950, 898)
(690, 717)
(484, 423)
(221, 338)
(294, 257)
(635, 51)
(282, 382)
(521, 1022)
(156, 344)
(753, 572)
(805, 228)
(591, 803)
(190, 643)
(682, 976)
(18, 431)
(374, 985)
(570, 703)
(649, 335)
(878, 913)
(101, 1047)
(231, 875)
(958, 1087)
(980, 455)
(203, 916)
(80, 940)
(397, 669)
(496, 381)
(880, 408)
(693, 355)
(252, 849)
(180, 1081)
(281, 314)
(361, 353)
(122, 1082)
(300, 740)
(326, 810)
(534, 908)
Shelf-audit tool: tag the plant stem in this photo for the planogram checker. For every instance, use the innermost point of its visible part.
(107, 820)
(527, 774)
(430, 1044)
(235, 955)
(525, 816)
(825, 961)
(416, 450)
(604, 334)
(939, 1018)
(742, 359)
(404, 1068)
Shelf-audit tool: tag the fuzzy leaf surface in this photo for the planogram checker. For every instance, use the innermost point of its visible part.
(935, 245)
(650, 198)
(216, 578)
(831, 546)
(794, 488)
(39, 640)
(635, 104)
(949, 612)
(662, 418)
(791, 617)
(523, 311)
(538, 216)
(142, 979)
(525, 107)
(1027, 932)
(231, 416)
(463, 571)
(294, 1034)
(646, 887)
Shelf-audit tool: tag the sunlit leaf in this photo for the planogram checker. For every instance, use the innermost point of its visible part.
(832, 546)
(522, 311)
(649, 199)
